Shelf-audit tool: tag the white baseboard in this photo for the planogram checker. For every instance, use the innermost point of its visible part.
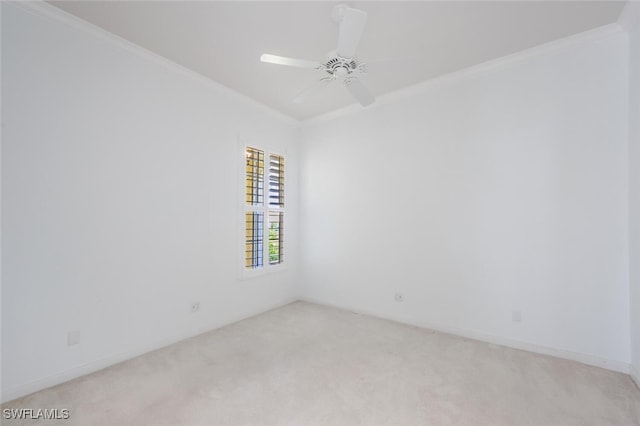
(635, 374)
(112, 359)
(99, 364)
(613, 365)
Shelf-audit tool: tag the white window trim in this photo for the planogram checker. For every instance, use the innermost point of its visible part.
(243, 208)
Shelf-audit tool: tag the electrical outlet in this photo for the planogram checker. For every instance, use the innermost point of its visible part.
(399, 297)
(195, 307)
(73, 337)
(516, 316)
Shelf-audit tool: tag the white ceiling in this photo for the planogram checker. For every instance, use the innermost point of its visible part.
(224, 40)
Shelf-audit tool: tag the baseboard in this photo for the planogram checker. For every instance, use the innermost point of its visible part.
(112, 359)
(613, 365)
(99, 364)
(635, 375)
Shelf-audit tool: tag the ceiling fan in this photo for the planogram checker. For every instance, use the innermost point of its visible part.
(342, 63)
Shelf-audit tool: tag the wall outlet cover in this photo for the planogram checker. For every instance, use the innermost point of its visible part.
(516, 316)
(73, 337)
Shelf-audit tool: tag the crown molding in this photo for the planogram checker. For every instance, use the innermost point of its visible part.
(46, 10)
(629, 18)
(471, 72)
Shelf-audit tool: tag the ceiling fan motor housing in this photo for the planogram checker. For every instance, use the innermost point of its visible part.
(341, 63)
(341, 67)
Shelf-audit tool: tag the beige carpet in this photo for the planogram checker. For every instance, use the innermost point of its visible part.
(305, 364)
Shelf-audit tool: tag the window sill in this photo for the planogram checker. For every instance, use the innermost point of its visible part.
(248, 274)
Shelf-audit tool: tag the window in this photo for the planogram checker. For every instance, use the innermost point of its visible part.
(263, 174)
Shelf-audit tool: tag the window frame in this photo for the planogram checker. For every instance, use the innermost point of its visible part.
(265, 208)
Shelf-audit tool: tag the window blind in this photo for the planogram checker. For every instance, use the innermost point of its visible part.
(261, 213)
(254, 183)
(276, 180)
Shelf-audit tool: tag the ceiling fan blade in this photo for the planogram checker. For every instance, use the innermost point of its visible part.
(359, 91)
(291, 62)
(351, 29)
(317, 86)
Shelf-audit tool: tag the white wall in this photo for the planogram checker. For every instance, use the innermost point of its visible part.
(497, 190)
(632, 21)
(118, 191)
(490, 192)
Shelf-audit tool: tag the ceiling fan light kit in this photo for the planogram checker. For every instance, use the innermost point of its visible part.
(342, 63)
